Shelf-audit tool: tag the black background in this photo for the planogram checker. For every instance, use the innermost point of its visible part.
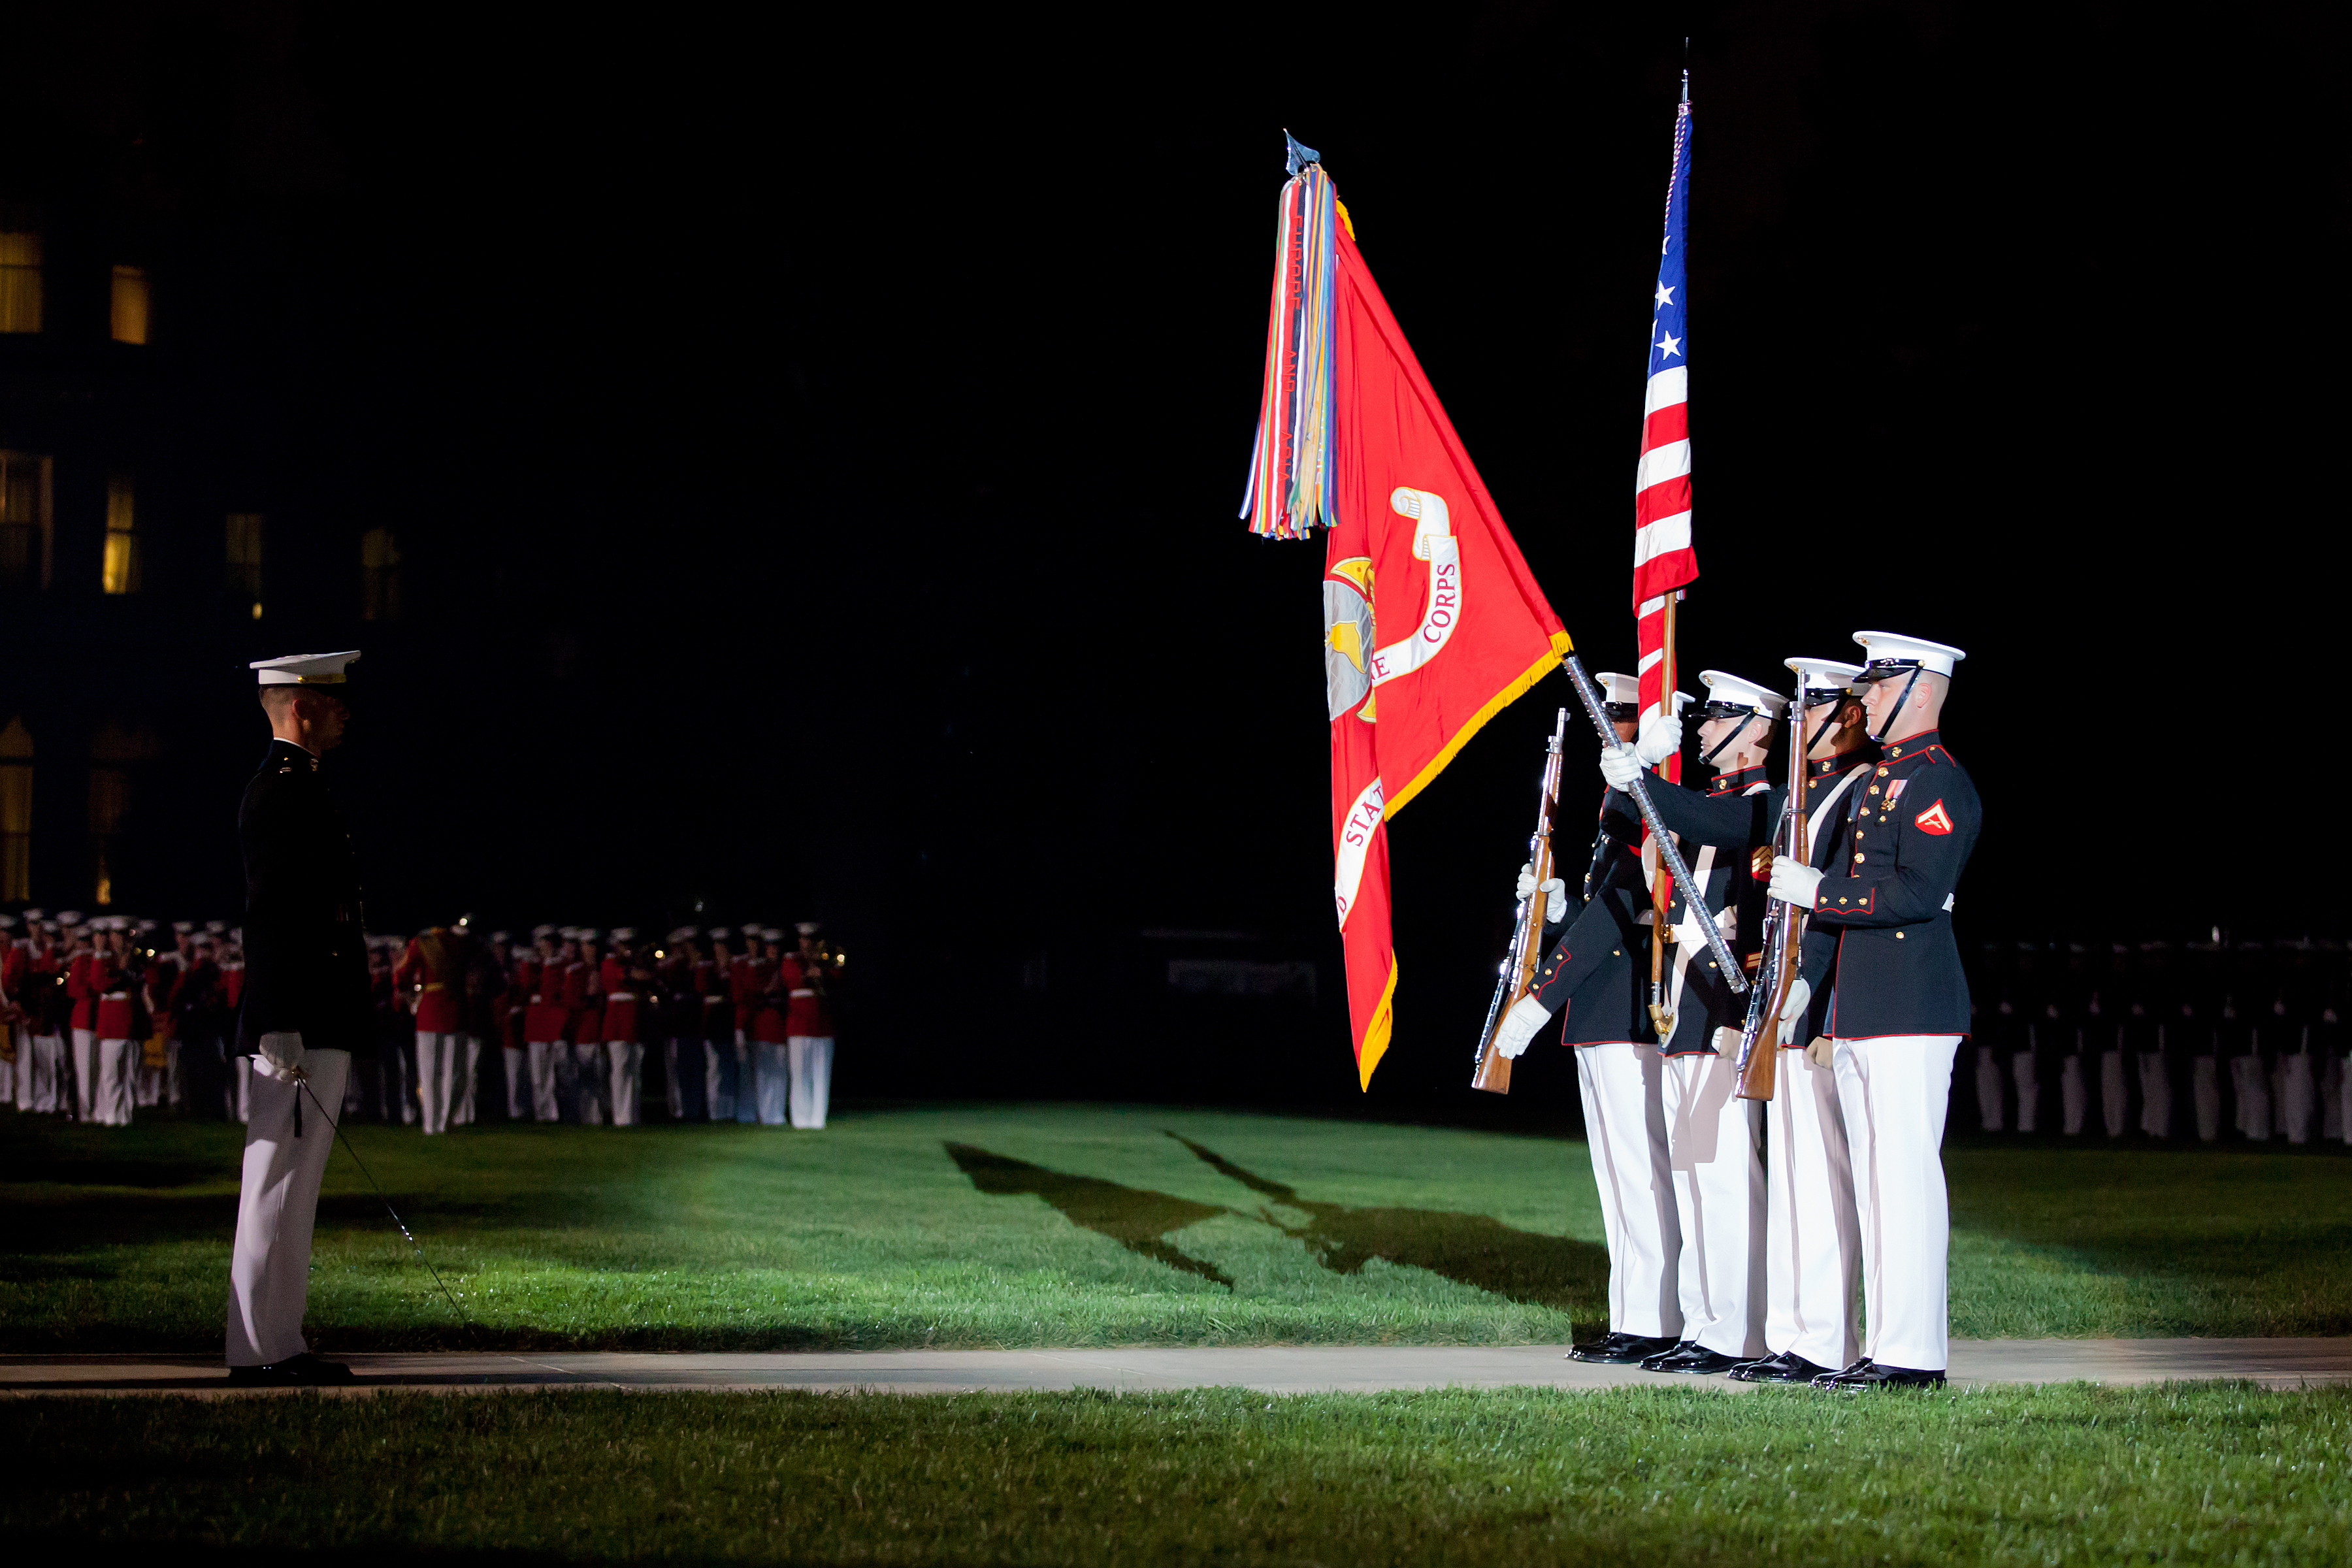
(819, 451)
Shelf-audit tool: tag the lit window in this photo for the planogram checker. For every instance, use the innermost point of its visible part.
(119, 573)
(379, 576)
(16, 813)
(244, 575)
(24, 520)
(20, 281)
(128, 312)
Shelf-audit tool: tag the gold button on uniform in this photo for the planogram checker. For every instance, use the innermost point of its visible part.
(1898, 936)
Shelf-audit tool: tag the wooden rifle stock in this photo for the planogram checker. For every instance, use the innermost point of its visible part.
(1784, 939)
(1492, 1070)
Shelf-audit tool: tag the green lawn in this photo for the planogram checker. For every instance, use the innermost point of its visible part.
(2198, 1474)
(1070, 1226)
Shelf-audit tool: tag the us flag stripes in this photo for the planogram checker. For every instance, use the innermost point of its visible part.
(1664, 562)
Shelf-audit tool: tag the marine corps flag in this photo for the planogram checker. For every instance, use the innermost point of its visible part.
(1432, 622)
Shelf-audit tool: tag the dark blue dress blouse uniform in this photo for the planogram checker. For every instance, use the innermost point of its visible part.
(1880, 938)
(1734, 819)
(305, 951)
(1590, 971)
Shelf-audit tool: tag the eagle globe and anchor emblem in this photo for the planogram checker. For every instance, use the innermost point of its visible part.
(1353, 662)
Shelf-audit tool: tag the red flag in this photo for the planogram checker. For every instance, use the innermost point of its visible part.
(1434, 621)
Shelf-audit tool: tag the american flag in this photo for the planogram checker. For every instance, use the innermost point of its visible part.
(1662, 560)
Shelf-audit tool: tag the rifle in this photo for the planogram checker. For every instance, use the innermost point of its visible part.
(1784, 929)
(1489, 1070)
(1668, 856)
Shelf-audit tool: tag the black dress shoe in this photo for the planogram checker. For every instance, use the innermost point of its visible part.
(1694, 1358)
(1786, 1367)
(1620, 1350)
(1868, 1374)
(304, 1371)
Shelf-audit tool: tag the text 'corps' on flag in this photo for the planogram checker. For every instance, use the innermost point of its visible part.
(1432, 622)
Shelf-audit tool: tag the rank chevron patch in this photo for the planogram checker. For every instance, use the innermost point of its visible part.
(1935, 819)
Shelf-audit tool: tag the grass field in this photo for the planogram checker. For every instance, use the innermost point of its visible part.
(1070, 1226)
(2205, 1474)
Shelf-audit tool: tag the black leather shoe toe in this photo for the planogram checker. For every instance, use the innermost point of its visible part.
(1786, 1367)
(1693, 1359)
(1620, 1350)
(1864, 1375)
(309, 1370)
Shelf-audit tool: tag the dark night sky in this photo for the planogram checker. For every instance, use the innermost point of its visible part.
(843, 435)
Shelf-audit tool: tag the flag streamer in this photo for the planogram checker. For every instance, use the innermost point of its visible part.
(1288, 491)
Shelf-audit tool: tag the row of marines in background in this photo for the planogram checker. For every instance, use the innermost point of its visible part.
(2144, 1031)
(100, 1017)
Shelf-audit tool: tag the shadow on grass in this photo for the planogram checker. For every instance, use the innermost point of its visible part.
(1471, 1249)
(1134, 1217)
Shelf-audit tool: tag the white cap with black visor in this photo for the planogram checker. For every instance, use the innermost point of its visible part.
(1824, 683)
(1891, 655)
(1729, 697)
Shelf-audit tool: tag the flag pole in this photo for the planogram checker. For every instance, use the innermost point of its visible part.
(1662, 891)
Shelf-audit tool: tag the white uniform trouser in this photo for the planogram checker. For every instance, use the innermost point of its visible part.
(2026, 1067)
(2205, 1089)
(1813, 1251)
(2298, 1096)
(85, 1075)
(1894, 1092)
(516, 1065)
(437, 1056)
(775, 1080)
(717, 1102)
(2074, 1095)
(588, 1065)
(18, 1068)
(542, 1054)
(2154, 1095)
(148, 1079)
(469, 1068)
(118, 1068)
(812, 1066)
(1626, 1128)
(1711, 1141)
(1988, 1091)
(2114, 1102)
(747, 1081)
(49, 1073)
(2251, 1080)
(628, 1060)
(270, 1272)
(670, 1081)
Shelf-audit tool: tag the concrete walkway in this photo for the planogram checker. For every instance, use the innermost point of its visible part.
(1270, 1369)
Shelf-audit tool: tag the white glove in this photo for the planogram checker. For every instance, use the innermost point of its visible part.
(1661, 738)
(1792, 1011)
(1794, 882)
(282, 1049)
(1519, 1025)
(1555, 894)
(1619, 763)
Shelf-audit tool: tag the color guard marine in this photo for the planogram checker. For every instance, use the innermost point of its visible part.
(1592, 976)
(1879, 943)
(1713, 1135)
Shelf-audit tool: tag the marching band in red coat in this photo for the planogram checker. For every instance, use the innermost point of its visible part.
(573, 1013)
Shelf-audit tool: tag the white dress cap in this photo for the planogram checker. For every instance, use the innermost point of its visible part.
(305, 668)
(1726, 693)
(1616, 688)
(1824, 679)
(1892, 655)
(806, 928)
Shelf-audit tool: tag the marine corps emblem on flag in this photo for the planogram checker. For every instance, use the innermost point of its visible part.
(1935, 819)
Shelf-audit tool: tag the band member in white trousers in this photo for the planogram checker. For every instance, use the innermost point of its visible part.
(812, 1068)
